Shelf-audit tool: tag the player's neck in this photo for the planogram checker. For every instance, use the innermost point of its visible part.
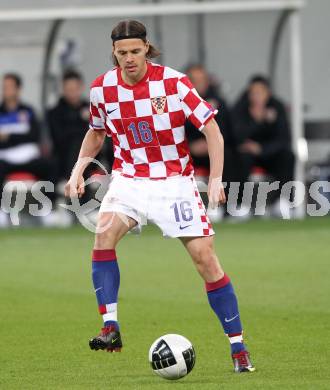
(134, 79)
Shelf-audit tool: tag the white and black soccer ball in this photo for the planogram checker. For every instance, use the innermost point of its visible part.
(172, 356)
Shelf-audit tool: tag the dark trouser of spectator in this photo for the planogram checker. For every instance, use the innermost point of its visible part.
(231, 167)
(108, 154)
(279, 166)
(65, 157)
(42, 168)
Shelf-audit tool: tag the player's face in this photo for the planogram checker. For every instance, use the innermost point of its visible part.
(131, 56)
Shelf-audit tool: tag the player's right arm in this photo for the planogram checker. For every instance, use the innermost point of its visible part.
(90, 147)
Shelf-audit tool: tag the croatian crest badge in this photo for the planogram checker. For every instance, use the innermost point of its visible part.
(158, 104)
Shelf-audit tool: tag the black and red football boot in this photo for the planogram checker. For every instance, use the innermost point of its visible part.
(242, 362)
(108, 339)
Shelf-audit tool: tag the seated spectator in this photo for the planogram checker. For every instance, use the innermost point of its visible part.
(262, 133)
(19, 137)
(68, 123)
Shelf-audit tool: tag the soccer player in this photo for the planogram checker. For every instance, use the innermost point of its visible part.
(143, 107)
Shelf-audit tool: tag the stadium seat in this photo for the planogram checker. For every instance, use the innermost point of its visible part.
(202, 172)
(258, 174)
(21, 176)
(28, 178)
(19, 182)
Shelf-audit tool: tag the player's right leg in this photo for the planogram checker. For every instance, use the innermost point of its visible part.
(111, 228)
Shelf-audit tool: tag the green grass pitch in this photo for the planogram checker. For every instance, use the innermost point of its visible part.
(48, 311)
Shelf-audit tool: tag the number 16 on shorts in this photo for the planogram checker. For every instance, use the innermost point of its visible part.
(183, 213)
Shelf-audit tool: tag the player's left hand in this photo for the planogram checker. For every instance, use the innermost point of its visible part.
(216, 192)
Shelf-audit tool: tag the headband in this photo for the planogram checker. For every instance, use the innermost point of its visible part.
(129, 36)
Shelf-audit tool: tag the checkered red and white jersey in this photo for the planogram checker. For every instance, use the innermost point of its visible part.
(146, 121)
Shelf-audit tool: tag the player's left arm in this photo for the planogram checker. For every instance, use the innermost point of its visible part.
(215, 145)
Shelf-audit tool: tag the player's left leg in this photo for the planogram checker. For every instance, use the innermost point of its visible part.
(221, 296)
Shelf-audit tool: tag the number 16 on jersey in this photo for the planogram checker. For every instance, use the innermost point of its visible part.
(140, 132)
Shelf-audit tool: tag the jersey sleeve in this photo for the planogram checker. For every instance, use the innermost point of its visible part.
(96, 115)
(196, 109)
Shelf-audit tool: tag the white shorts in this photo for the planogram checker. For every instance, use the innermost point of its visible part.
(173, 204)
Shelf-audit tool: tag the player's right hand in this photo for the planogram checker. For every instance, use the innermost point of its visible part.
(75, 187)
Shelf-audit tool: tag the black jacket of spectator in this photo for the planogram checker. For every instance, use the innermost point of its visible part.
(273, 134)
(68, 125)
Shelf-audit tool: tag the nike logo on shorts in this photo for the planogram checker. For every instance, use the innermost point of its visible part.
(231, 319)
(183, 227)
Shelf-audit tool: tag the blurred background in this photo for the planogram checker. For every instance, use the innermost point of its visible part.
(282, 41)
(234, 46)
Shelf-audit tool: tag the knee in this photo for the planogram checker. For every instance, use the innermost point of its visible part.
(104, 240)
(105, 237)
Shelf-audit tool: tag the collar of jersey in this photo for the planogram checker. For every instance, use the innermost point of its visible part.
(143, 80)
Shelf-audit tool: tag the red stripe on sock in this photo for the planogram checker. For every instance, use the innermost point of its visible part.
(234, 334)
(104, 255)
(102, 309)
(219, 284)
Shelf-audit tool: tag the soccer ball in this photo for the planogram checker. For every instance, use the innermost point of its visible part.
(172, 356)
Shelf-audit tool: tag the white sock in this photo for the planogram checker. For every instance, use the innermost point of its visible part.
(111, 314)
(236, 339)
